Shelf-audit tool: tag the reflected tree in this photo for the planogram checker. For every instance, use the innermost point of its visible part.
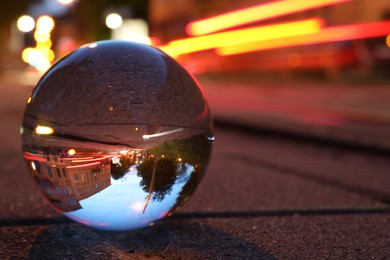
(158, 176)
(119, 170)
(169, 161)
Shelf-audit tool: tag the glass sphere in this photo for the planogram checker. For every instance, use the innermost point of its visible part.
(117, 135)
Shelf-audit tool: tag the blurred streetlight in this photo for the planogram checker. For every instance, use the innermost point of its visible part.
(114, 21)
(45, 24)
(26, 23)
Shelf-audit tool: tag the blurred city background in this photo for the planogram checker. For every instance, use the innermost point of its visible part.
(324, 39)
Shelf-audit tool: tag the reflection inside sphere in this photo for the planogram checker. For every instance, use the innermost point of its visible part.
(118, 188)
(117, 135)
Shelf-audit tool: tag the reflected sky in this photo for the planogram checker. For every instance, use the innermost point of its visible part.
(121, 205)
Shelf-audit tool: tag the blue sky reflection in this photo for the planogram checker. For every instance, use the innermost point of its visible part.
(120, 206)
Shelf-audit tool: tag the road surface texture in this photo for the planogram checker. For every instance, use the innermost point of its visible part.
(354, 114)
(265, 196)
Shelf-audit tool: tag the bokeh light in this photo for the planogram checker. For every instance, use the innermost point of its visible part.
(26, 23)
(114, 21)
(45, 24)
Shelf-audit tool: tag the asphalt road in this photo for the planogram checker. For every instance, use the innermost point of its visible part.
(264, 196)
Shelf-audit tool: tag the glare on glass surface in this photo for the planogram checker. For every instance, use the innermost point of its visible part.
(65, 2)
(26, 23)
(114, 21)
(44, 130)
(45, 24)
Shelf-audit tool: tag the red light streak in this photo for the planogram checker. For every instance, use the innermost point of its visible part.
(331, 34)
(254, 34)
(34, 158)
(82, 165)
(254, 14)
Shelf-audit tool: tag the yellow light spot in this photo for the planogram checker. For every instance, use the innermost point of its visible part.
(29, 100)
(136, 129)
(41, 37)
(388, 40)
(179, 159)
(46, 44)
(33, 166)
(72, 152)
(44, 130)
(26, 53)
(45, 24)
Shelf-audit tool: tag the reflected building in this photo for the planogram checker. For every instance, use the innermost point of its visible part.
(65, 182)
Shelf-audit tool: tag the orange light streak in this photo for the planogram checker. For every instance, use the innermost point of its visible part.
(88, 160)
(331, 34)
(254, 34)
(254, 14)
(112, 156)
(82, 165)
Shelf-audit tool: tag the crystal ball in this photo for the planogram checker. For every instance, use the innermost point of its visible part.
(117, 135)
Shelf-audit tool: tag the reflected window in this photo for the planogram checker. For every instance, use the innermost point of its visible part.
(49, 172)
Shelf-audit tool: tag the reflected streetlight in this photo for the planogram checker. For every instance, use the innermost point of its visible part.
(25, 23)
(114, 21)
(65, 2)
